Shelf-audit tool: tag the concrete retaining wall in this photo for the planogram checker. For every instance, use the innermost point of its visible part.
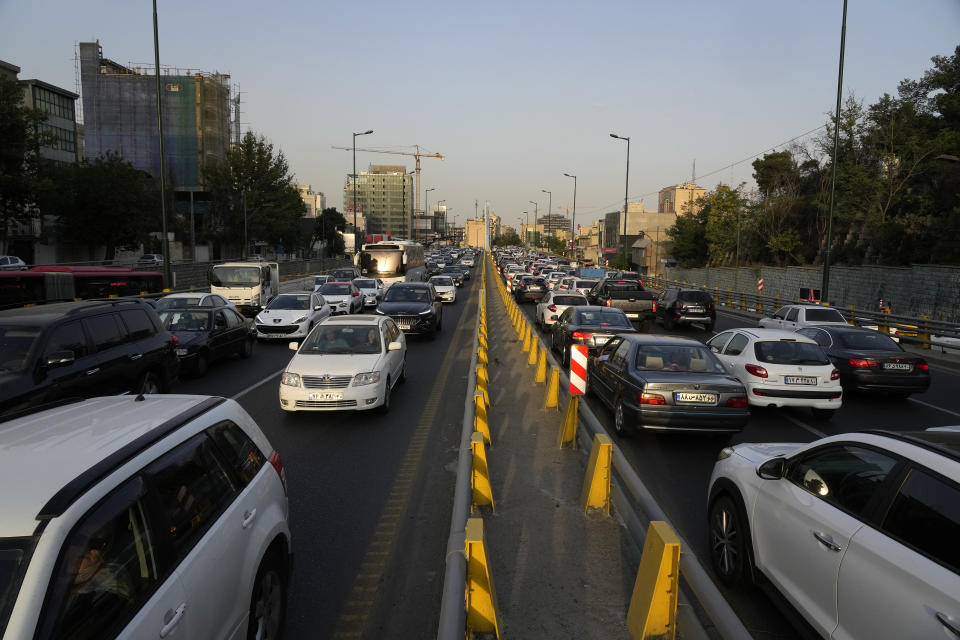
(930, 290)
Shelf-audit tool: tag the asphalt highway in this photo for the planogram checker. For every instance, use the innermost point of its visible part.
(370, 495)
(676, 468)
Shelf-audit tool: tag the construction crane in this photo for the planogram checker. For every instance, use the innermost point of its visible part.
(417, 154)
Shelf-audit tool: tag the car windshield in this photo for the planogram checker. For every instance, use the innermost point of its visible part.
(179, 303)
(185, 320)
(585, 284)
(603, 318)
(15, 345)
(442, 282)
(824, 315)
(333, 338)
(862, 340)
(296, 302)
(235, 276)
(320, 280)
(335, 289)
(683, 358)
(13, 556)
(365, 284)
(344, 273)
(694, 296)
(406, 294)
(789, 352)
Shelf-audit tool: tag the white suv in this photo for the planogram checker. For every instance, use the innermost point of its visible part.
(858, 531)
(142, 517)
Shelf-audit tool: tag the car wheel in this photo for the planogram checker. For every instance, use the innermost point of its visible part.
(385, 407)
(619, 421)
(553, 341)
(203, 363)
(268, 604)
(823, 414)
(150, 384)
(728, 542)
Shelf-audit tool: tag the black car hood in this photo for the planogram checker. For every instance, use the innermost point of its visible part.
(405, 308)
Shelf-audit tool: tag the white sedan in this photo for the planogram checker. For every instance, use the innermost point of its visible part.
(291, 315)
(858, 531)
(780, 369)
(556, 302)
(193, 299)
(347, 362)
(372, 290)
(446, 287)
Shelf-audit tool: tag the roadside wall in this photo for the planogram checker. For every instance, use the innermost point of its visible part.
(930, 290)
(194, 274)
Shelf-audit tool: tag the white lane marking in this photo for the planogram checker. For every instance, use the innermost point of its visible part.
(258, 384)
(933, 406)
(804, 425)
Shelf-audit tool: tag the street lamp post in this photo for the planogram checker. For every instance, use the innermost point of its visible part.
(444, 227)
(536, 209)
(426, 204)
(368, 131)
(526, 230)
(626, 190)
(573, 223)
(825, 287)
(165, 245)
(410, 234)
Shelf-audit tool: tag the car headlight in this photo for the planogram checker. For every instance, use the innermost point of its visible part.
(725, 453)
(427, 312)
(290, 379)
(361, 379)
(381, 312)
(300, 319)
(261, 320)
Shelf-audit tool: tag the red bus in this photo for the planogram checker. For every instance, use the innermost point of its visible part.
(47, 284)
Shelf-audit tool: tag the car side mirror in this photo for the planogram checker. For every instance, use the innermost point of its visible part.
(394, 346)
(318, 307)
(59, 358)
(772, 469)
(294, 346)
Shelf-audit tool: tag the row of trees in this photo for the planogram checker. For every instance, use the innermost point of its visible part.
(105, 201)
(897, 198)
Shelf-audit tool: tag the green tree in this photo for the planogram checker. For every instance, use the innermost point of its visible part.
(509, 240)
(688, 236)
(253, 177)
(330, 224)
(555, 245)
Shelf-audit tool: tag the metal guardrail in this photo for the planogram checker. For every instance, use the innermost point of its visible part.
(919, 330)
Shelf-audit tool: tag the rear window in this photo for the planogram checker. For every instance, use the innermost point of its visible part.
(624, 284)
(824, 315)
(570, 301)
(366, 284)
(583, 284)
(682, 358)
(695, 296)
(789, 352)
(867, 341)
(335, 289)
(611, 318)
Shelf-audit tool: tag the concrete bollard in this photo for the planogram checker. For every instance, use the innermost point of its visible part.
(534, 348)
(526, 338)
(568, 434)
(480, 423)
(542, 367)
(653, 604)
(480, 477)
(481, 597)
(596, 485)
(552, 400)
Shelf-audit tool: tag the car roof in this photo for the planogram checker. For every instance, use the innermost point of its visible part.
(411, 285)
(47, 313)
(762, 333)
(353, 319)
(188, 294)
(45, 453)
(657, 339)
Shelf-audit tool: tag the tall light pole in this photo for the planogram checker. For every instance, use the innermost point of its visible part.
(526, 230)
(536, 209)
(549, 205)
(440, 204)
(368, 131)
(573, 223)
(426, 204)
(165, 245)
(626, 190)
(825, 287)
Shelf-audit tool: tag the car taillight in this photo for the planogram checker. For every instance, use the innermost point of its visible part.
(355, 293)
(552, 307)
(862, 363)
(737, 402)
(581, 335)
(174, 341)
(758, 371)
(609, 300)
(650, 398)
(278, 466)
(922, 365)
(654, 306)
(677, 305)
(835, 375)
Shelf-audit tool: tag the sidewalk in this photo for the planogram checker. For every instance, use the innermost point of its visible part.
(558, 573)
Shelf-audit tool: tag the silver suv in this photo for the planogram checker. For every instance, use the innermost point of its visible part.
(142, 517)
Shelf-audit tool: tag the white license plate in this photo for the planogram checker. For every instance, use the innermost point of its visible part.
(600, 339)
(329, 395)
(694, 309)
(633, 315)
(181, 352)
(697, 398)
(897, 366)
(404, 327)
(534, 288)
(800, 380)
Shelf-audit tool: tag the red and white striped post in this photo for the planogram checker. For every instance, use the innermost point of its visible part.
(760, 285)
(578, 369)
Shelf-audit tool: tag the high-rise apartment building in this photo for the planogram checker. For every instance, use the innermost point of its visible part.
(680, 198)
(384, 196)
(553, 223)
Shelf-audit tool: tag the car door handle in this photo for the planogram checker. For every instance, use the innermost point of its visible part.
(93, 371)
(136, 356)
(826, 541)
(248, 518)
(951, 626)
(171, 621)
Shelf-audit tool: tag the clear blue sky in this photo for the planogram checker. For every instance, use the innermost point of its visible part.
(513, 93)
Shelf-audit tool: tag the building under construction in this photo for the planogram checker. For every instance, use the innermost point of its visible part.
(385, 198)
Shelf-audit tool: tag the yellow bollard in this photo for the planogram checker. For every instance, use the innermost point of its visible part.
(480, 477)
(534, 346)
(924, 335)
(569, 432)
(526, 339)
(482, 341)
(482, 374)
(542, 367)
(481, 597)
(480, 423)
(596, 486)
(553, 389)
(653, 605)
(482, 387)
(482, 356)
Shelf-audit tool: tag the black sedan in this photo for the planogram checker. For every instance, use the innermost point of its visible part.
(530, 289)
(454, 272)
(415, 307)
(871, 361)
(665, 383)
(591, 326)
(205, 335)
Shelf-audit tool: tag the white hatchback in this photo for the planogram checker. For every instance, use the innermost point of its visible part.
(555, 303)
(780, 369)
(445, 286)
(347, 362)
(142, 517)
(857, 531)
(291, 315)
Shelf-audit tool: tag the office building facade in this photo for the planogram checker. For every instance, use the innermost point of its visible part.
(384, 196)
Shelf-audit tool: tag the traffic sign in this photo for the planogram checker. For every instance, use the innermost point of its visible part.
(578, 369)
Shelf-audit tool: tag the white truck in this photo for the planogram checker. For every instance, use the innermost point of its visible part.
(249, 285)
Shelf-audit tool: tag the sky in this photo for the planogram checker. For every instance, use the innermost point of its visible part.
(513, 94)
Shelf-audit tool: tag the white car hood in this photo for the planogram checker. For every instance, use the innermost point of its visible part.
(331, 299)
(334, 364)
(757, 452)
(286, 316)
